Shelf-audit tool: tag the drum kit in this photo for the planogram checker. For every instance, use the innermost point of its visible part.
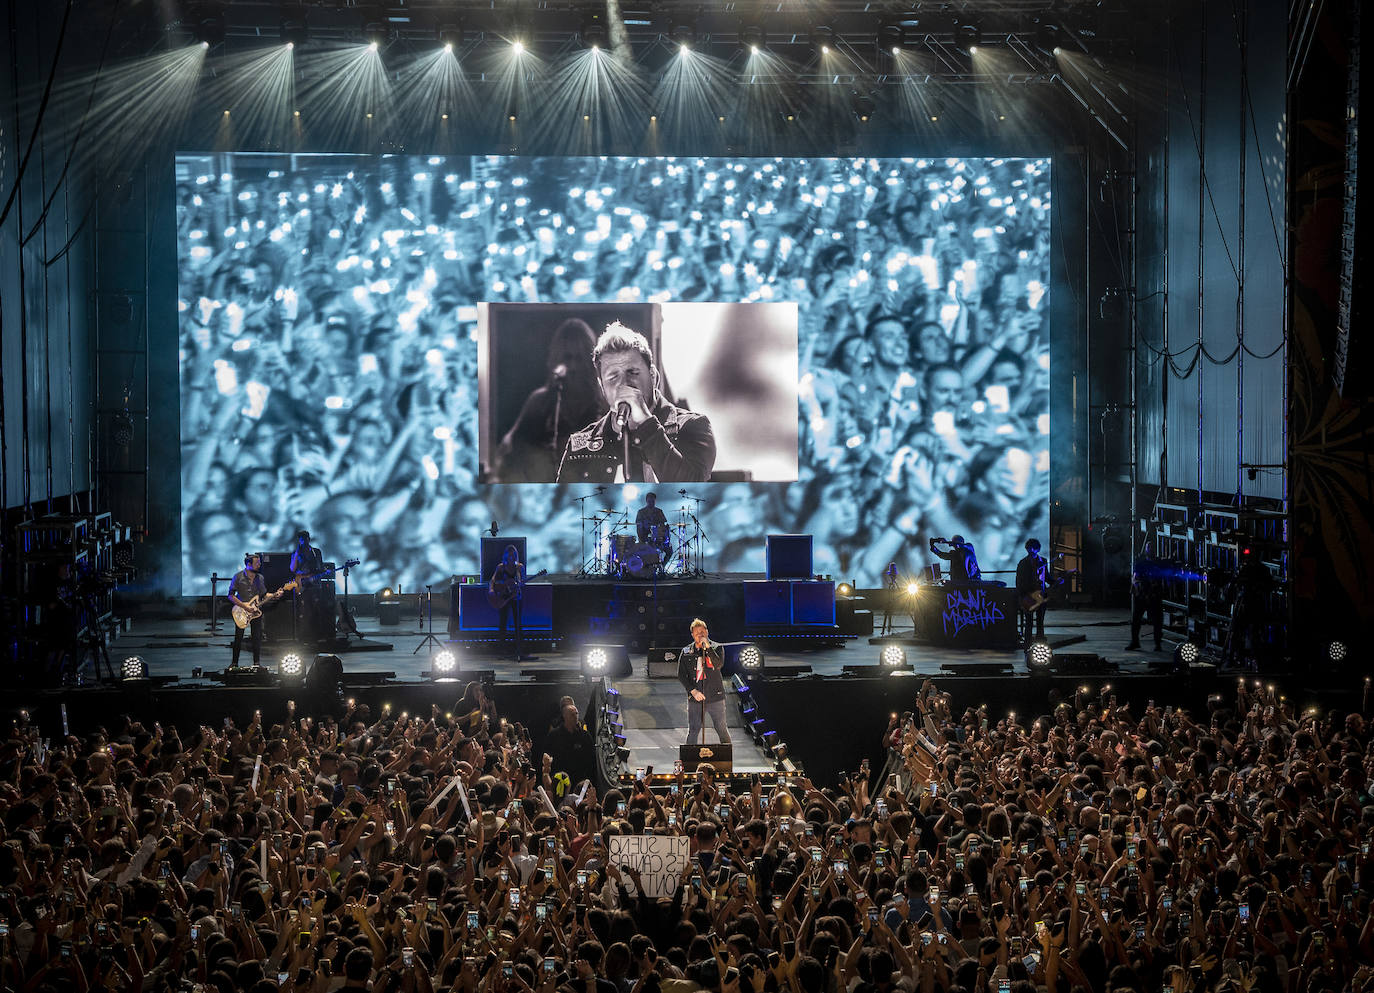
(674, 549)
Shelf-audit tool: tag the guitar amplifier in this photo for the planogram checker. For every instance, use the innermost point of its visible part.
(719, 756)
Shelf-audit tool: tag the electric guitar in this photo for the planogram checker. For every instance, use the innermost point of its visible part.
(1034, 599)
(500, 594)
(246, 613)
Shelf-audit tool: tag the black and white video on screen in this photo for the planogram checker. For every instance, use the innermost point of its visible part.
(734, 364)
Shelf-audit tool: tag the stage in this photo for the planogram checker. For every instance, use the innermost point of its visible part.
(391, 662)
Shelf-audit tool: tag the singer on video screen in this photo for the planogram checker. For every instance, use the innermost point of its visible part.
(642, 437)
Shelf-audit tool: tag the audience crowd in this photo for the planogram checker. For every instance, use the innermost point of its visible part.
(1098, 847)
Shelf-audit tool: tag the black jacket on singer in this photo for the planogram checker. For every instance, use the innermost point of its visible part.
(676, 444)
(714, 661)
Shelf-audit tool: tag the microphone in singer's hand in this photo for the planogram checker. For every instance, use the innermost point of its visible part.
(560, 373)
(622, 415)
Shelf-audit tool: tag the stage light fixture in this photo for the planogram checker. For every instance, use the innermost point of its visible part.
(912, 589)
(968, 36)
(517, 47)
(593, 30)
(751, 658)
(451, 36)
(605, 660)
(295, 29)
(863, 105)
(891, 38)
(823, 38)
(1337, 651)
(290, 665)
(134, 668)
(443, 667)
(1186, 654)
(683, 29)
(844, 589)
(206, 23)
(892, 656)
(753, 37)
(376, 33)
(1047, 33)
(1039, 655)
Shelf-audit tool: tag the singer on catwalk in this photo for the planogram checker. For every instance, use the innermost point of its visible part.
(699, 668)
(643, 437)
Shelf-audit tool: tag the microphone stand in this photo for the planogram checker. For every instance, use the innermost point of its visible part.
(702, 726)
(557, 415)
(428, 639)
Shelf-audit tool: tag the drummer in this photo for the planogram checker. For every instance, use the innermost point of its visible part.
(651, 524)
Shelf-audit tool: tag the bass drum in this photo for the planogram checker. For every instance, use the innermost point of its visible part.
(643, 561)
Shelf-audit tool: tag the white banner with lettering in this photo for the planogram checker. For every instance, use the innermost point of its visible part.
(658, 858)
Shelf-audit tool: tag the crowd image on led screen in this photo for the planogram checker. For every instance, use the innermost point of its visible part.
(329, 358)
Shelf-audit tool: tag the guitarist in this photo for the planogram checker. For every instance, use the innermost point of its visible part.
(1032, 580)
(504, 589)
(247, 584)
(306, 564)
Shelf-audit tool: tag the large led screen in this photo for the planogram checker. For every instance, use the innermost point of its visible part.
(865, 339)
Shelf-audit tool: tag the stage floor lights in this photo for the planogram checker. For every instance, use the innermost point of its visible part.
(443, 667)
(604, 660)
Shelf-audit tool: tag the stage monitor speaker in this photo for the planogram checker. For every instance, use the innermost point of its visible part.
(389, 612)
(767, 602)
(719, 756)
(853, 620)
(475, 612)
(494, 548)
(663, 663)
(813, 603)
(789, 556)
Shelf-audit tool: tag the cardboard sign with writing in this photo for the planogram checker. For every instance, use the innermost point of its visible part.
(659, 860)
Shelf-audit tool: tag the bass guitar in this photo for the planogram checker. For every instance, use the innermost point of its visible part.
(500, 594)
(246, 613)
(308, 580)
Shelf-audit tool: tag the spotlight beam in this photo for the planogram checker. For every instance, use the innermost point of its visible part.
(260, 87)
(430, 86)
(610, 93)
(692, 92)
(349, 83)
(133, 106)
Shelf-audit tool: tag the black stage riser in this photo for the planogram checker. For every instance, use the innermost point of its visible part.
(830, 723)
